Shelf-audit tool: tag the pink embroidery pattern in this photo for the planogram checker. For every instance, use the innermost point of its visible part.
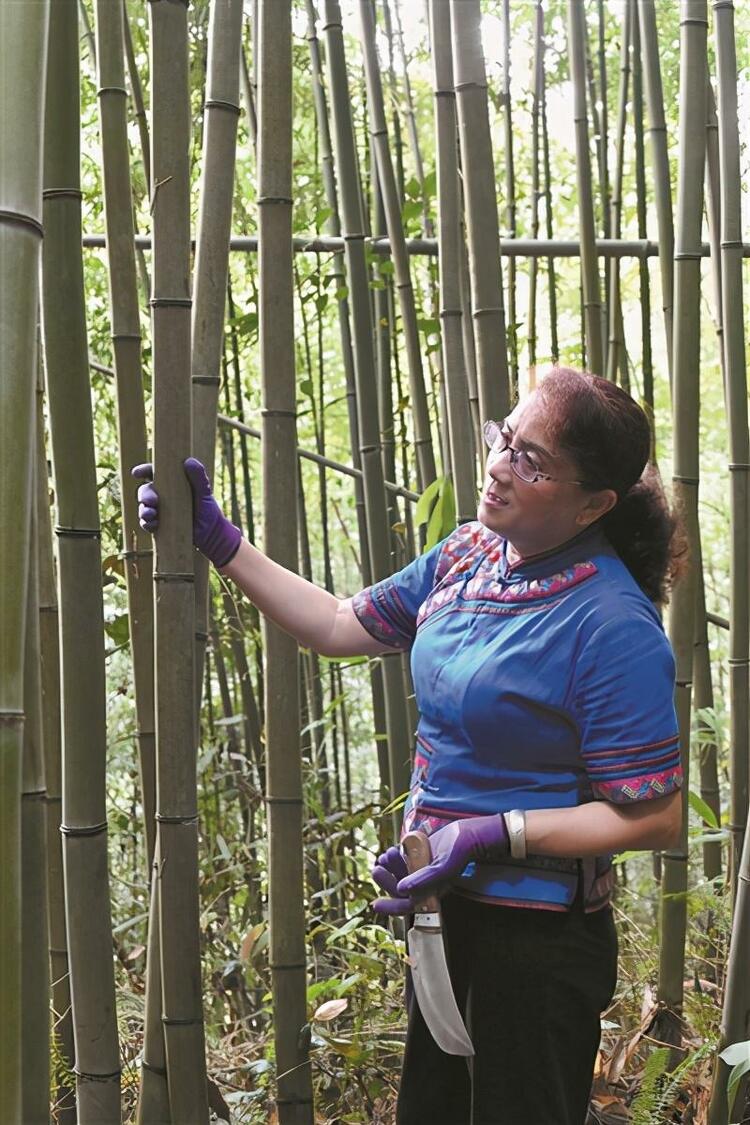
(644, 787)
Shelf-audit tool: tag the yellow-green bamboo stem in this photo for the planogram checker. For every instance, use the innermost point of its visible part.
(657, 130)
(174, 608)
(686, 354)
(84, 813)
(392, 209)
(35, 969)
(49, 648)
(458, 416)
(592, 301)
(222, 111)
(23, 43)
(616, 358)
(284, 774)
(477, 168)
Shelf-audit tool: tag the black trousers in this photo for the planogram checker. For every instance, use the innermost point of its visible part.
(531, 985)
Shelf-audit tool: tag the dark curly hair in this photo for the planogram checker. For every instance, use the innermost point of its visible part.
(607, 435)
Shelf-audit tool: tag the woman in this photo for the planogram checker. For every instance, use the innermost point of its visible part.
(544, 683)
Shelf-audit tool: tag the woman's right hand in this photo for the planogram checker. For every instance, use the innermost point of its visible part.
(214, 535)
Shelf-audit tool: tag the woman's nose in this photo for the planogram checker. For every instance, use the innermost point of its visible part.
(498, 465)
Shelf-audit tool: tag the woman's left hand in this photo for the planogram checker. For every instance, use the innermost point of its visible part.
(481, 838)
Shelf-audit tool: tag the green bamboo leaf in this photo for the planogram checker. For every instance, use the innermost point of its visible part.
(699, 806)
(425, 502)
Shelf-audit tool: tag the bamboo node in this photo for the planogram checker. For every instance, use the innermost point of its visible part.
(263, 199)
(126, 556)
(687, 255)
(34, 795)
(96, 1077)
(11, 717)
(738, 467)
(77, 532)
(89, 830)
(293, 965)
(124, 336)
(268, 413)
(18, 218)
(111, 90)
(62, 193)
(445, 94)
(293, 1101)
(162, 1070)
(171, 302)
(283, 800)
(162, 818)
(489, 311)
(738, 662)
(354, 238)
(206, 380)
(459, 86)
(217, 103)
(733, 244)
(170, 1021)
(161, 576)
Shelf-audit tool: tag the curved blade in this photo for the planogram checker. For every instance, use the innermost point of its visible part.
(432, 985)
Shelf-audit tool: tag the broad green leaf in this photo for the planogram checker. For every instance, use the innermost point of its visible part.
(426, 501)
(699, 806)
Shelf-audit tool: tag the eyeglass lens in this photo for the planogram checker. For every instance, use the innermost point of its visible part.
(520, 462)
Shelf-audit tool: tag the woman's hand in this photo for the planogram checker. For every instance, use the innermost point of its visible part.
(214, 535)
(481, 838)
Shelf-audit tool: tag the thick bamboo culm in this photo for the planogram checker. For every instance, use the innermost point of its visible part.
(592, 301)
(35, 979)
(734, 1016)
(283, 770)
(23, 44)
(176, 865)
(367, 415)
(657, 130)
(616, 359)
(644, 277)
(463, 461)
(480, 205)
(49, 655)
(510, 199)
(84, 726)
(685, 400)
(126, 345)
(222, 110)
(394, 224)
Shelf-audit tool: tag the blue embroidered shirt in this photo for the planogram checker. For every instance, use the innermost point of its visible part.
(544, 683)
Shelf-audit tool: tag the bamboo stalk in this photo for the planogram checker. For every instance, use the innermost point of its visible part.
(592, 301)
(35, 982)
(23, 44)
(470, 83)
(392, 209)
(644, 280)
(212, 261)
(510, 199)
(734, 1015)
(177, 820)
(84, 816)
(657, 130)
(736, 406)
(49, 645)
(537, 93)
(284, 779)
(131, 416)
(686, 345)
(551, 283)
(615, 352)
(458, 416)
(372, 470)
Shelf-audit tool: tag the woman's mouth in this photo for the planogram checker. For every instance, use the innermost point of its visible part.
(493, 499)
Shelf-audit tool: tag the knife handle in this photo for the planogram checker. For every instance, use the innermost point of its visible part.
(417, 851)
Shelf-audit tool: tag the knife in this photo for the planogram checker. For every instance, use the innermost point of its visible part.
(432, 982)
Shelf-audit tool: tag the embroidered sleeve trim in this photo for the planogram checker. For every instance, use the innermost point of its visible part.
(644, 787)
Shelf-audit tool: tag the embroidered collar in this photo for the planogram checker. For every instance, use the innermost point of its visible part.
(589, 541)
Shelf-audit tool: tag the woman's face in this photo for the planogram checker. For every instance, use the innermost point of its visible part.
(536, 517)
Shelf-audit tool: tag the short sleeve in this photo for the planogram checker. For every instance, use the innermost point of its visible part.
(624, 706)
(388, 609)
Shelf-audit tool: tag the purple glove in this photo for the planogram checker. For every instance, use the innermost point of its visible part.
(214, 535)
(480, 838)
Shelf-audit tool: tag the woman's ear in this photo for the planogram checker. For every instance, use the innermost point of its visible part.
(596, 505)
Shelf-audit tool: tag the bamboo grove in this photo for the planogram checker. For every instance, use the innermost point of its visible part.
(316, 243)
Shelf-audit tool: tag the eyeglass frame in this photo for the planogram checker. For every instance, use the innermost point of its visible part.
(515, 454)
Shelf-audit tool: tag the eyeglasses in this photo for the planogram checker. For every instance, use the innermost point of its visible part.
(521, 462)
